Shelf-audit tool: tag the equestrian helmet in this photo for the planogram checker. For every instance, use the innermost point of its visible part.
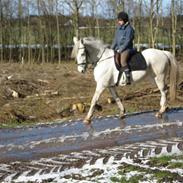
(123, 16)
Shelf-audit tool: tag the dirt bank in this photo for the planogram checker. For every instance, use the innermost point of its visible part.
(40, 93)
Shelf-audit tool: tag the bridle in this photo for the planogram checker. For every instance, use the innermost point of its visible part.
(84, 63)
(95, 63)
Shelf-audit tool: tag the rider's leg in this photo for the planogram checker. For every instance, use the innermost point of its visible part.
(124, 67)
(117, 59)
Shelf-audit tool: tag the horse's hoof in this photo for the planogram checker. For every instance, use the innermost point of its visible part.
(87, 121)
(122, 116)
(159, 115)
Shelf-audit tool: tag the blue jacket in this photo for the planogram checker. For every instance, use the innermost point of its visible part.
(123, 39)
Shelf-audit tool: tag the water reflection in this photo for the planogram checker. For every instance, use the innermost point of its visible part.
(122, 123)
(164, 118)
(91, 130)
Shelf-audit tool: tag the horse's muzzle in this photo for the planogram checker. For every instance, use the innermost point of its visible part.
(81, 69)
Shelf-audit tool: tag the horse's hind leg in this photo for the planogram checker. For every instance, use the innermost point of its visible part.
(118, 101)
(160, 81)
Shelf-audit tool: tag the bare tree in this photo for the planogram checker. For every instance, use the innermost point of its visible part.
(28, 33)
(46, 23)
(93, 6)
(138, 23)
(117, 6)
(1, 29)
(7, 35)
(41, 31)
(20, 15)
(75, 6)
(154, 21)
(58, 33)
(174, 25)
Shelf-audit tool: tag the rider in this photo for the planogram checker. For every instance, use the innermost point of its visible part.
(122, 44)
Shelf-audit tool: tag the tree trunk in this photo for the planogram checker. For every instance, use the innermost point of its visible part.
(58, 37)
(75, 6)
(154, 21)
(41, 33)
(1, 31)
(138, 24)
(20, 29)
(151, 17)
(174, 26)
(28, 35)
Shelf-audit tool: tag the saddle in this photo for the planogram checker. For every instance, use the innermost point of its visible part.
(136, 61)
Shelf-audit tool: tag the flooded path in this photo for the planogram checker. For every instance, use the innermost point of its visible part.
(33, 151)
(41, 141)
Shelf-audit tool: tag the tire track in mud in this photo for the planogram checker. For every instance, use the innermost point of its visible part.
(87, 165)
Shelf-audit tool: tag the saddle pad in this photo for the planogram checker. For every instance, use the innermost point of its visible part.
(137, 62)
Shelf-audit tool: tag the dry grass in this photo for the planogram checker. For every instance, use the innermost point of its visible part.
(47, 92)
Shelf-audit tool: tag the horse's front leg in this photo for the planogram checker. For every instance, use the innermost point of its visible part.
(114, 94)
(94, 101)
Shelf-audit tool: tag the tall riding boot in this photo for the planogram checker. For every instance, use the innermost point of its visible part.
(126, 70)
(127, 73)
(119, 76)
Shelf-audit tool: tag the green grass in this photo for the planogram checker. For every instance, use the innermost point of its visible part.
(133, 179)
(125, 169)
(129, 168)
(164, 176)
(166, 161)
(16, 123)
(176, 165)
(160, 161)
(159, 175)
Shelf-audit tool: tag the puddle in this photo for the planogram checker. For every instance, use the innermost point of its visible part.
(44, 141)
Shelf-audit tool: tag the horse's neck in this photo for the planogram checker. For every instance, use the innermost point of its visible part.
(107, 53)
(95, 55)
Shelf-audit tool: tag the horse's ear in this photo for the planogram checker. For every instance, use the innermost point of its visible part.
(75, 40)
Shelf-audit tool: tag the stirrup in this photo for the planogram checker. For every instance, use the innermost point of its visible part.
(127, 74)
(128, 81)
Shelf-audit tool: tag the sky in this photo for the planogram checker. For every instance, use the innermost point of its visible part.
(103, 10)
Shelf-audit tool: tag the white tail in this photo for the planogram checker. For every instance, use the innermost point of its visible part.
(173, 75)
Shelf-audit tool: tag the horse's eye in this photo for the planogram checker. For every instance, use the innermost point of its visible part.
(83, 54)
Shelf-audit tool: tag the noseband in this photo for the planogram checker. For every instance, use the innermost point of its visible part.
(84, 63)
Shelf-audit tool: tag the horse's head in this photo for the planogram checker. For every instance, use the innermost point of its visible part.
(79, 53)
(87, 50)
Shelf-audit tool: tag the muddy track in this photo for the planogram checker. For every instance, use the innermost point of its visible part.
(72, 152)
(87, 164)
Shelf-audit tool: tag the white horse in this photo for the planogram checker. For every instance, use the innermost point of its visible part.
(160, 64)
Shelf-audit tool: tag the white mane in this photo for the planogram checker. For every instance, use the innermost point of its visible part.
(93, 42)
